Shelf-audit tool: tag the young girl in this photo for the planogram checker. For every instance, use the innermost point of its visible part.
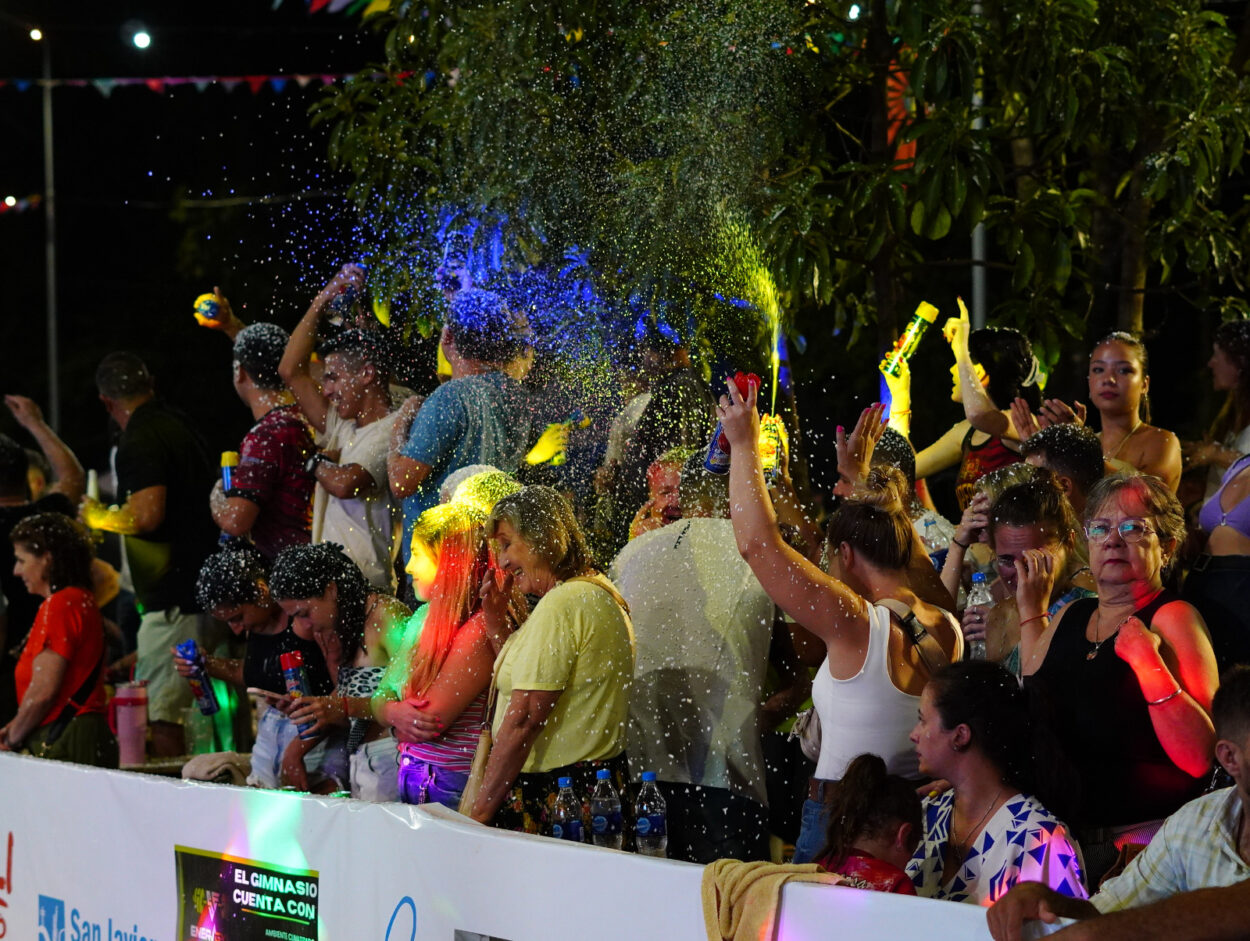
(875, 822)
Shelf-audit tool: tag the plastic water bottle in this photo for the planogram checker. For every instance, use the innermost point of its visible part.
(934, 544)
(606, 824)
(979, 599)
(651, 818)
(566, 820)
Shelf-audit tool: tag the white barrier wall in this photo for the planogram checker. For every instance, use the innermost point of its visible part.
(90, 855)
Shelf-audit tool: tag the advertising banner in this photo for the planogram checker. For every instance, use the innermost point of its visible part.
(92, 855)
(225, 898)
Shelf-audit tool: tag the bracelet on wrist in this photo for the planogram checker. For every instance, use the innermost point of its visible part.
(1170, 696)
(962, 545)
(1036, 617)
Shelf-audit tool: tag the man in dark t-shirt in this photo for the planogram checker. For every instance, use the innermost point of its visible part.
(163, 472)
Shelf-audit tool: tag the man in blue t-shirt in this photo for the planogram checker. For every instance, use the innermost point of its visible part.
(480, 416)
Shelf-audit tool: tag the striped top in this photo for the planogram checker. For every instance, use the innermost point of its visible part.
(453, 750)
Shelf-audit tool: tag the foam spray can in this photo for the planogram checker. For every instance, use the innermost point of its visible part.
(201, 688)
(296, 679)
(717, 460)
(910, 338)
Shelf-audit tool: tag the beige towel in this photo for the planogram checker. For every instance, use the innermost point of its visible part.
(223, 767)
(740, 899)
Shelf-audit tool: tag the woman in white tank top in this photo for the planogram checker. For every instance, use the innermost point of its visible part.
(868, 688)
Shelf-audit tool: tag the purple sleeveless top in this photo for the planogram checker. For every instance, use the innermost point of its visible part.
(1238, 517)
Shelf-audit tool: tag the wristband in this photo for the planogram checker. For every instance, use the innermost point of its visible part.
(310, 466)
(1036, 617)
(962, 545)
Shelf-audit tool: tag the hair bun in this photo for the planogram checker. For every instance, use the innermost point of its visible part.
(884, 489)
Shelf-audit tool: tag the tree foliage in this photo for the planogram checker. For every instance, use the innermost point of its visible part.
(1091, 139)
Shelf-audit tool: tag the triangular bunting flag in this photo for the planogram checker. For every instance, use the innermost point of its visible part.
(104, 86)
(256, 82)
(202, 84)
(156, 84)
(278, 84)
(303, 80)
(230, 84)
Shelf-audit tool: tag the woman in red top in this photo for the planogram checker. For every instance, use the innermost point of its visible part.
(59, 674)
(875, 825)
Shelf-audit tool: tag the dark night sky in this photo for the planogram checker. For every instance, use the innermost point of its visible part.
(128, 270)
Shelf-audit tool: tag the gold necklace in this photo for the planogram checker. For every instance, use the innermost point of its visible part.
(1123, 441)
(957, 849)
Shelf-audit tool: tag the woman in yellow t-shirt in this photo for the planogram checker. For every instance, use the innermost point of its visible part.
(563, 679)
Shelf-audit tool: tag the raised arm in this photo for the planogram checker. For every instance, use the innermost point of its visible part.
(296, 365)
(70, 479)
(979, 408)
(822, 604)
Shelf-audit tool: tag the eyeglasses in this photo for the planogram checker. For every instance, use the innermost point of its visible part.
(1130, 530)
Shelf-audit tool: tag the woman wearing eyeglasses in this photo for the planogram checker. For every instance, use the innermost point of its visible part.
(1129, 674)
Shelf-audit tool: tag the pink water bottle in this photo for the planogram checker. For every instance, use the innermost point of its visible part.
(128, 718)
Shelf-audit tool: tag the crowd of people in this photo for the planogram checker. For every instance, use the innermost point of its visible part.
(1063, 751)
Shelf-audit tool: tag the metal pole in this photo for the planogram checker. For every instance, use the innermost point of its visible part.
(979, 294)
(49, 216)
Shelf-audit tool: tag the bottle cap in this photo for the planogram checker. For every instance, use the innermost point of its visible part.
(648, 776)
(229, 458)
(603, 774)
(978, 577)
(565, 782)
(292, 660)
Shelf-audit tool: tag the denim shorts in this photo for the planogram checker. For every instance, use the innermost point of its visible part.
(373, 770)
(274, 732)
(421, 782)
(812, 832)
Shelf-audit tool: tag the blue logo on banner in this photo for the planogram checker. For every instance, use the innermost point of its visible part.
(51, 919)
(391, 934)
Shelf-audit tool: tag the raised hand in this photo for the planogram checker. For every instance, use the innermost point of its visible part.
(855, 451)
(1024, 420)
(739, 420)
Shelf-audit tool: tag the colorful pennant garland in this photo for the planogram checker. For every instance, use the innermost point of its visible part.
(161, 84)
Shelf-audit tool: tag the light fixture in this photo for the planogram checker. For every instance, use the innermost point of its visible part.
(10, 201)
(36, 33)
(142, 39)
(853, 12)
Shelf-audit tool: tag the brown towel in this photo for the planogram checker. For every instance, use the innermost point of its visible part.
(740, 899)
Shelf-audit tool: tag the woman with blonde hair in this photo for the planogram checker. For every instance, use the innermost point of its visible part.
(436, 702)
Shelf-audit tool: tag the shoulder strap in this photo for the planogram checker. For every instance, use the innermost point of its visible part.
(930, 651)
(606, 586)
(73, 706)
